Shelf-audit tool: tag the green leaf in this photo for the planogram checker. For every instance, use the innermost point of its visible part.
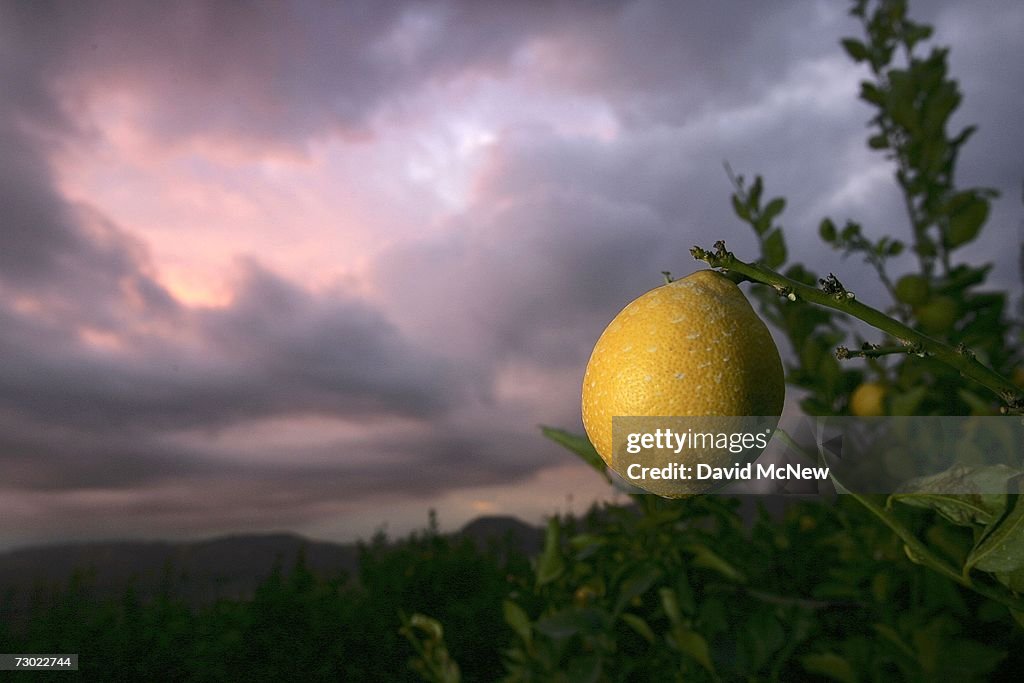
(774, 208)
(774, 249)
(518, 620)
(431, 627)
(965, 496)
(827, 230)
(856, 49)
(580, 445)
(800, 274)
(584, 669)
(889, 633)
(966, 660)
(879, 141)
(762, 637)
(831, 665)
(1013, 580)
(636, 585)
(707, 558)
(568, 622)
(870, 93)
(901, 98)
(754, 195)
(966, 218)
(670, 603)
(906, 403)
(916, 33)
(693, 644)
(1002, 548)
(964, 135)
(740, 208)
(684, 594)
(977, 404)
(551, 565)
(963, 276)
(584, 542)
(640, 626)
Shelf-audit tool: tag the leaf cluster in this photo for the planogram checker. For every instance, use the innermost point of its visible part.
(913, 98)
(689, 591)
(298, 625)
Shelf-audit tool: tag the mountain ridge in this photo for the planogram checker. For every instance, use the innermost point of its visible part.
(202, 571)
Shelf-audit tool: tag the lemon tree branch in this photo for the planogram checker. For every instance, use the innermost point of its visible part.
(920, 553)
(833, 295)
(874, 351)
(917, 551)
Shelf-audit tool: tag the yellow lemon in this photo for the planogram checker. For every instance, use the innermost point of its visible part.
(693, 347)
(868, 400)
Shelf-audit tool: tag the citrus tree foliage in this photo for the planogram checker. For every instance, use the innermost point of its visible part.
(944, 298)
(297, 626)
(686, 591)
(913, 98)
(915, 586)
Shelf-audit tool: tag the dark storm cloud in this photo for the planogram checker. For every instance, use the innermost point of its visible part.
(528, 271)
(667, 63)
(331, 353)
(278, 350)
(104, 488)
(65, 256)
(70, 459)
(269, 72)
(51, 455)
(50, 248)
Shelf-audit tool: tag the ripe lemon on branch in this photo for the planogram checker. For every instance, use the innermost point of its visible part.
(868, 400)
(693, 347)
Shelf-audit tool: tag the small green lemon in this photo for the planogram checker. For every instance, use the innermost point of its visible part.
(912, 289)
(938, 315)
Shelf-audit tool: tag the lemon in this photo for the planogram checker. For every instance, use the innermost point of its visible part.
(693, 347)
(868, 400)
(912, 289)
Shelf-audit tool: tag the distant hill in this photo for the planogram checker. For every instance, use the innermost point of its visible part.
(202, 571)
(485, 530)
(232, 567)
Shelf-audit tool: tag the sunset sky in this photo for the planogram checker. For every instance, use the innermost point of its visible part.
(321, 266)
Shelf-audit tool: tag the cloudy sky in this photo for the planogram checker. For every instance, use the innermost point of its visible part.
(322, 266)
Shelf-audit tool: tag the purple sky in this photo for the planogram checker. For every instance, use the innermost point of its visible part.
(321, 266)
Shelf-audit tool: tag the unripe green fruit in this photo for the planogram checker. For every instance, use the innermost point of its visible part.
(938, 315)
(912, 289)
